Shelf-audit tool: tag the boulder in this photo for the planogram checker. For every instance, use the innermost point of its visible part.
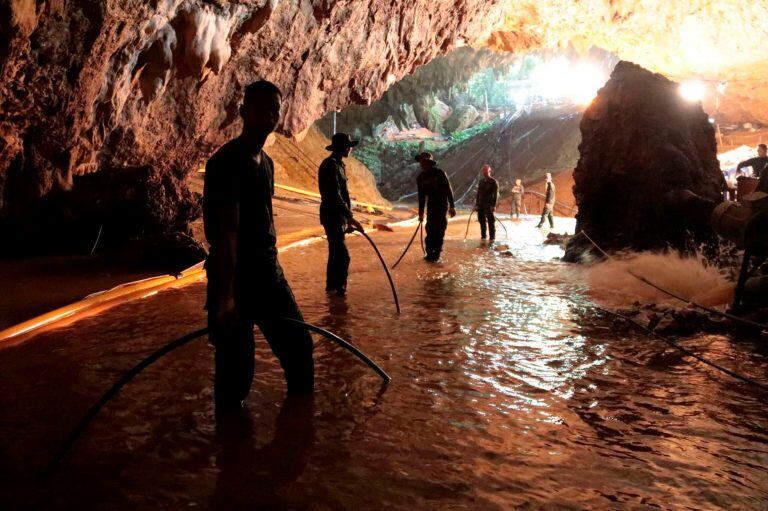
(462, 118)
(647, 168)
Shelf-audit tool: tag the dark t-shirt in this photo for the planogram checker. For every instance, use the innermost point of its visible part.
(335, 205)
(758, 164)
(233, 177)
(487, 193)
(434, 189)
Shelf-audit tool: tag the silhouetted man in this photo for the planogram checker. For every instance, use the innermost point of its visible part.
(486, 201)
(434, 190)
(336, 211)
(246, 284)
(517, 198)
(758, 164)
(549, 204)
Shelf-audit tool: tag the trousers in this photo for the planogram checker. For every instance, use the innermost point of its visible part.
(437, 223)
(547, 213)
(485, 216)
(337, 269)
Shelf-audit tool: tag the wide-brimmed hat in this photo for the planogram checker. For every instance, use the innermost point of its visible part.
(425, 156)
(341, 141)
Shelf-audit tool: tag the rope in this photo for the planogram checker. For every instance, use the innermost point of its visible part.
(421, 239)
(688, 352)
(98, 237)
(468, 221)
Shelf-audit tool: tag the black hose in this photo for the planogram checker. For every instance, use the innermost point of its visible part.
(172, 346)
(407, 246)
(506, 233)
(468, 221)
(386, 270)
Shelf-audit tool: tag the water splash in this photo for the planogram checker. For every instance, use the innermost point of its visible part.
(612, 285)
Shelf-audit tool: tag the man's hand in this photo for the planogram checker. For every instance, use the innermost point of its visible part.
(421, 217)
(226, 313)
(452, 212)
(354, 225)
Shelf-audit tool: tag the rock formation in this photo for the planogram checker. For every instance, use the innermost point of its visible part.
(105, 86)
(643, 150)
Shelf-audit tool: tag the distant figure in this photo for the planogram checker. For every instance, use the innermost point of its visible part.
(549, 204)
(517, 198)
(336, 212)
(246, 285)
(758, 163)
(486, 201)
(435, 189)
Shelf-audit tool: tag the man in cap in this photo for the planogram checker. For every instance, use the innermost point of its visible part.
(336, 211)
(246, 284)
(486, 202)
(434, 189)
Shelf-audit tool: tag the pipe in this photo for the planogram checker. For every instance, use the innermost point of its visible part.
(468, 221)
(386, 270)
(418, 227)
(172, 346)
(506, 233)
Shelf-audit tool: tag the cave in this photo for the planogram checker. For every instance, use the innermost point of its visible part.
(575, 320)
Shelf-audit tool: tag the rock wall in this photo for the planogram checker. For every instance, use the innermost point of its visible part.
(106, 85)
(643, 150)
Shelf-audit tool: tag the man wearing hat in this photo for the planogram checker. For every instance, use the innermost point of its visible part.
(336, 211)
(434, 189)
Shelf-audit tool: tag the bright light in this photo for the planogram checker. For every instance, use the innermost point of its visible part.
(692, 90)
(562, 80)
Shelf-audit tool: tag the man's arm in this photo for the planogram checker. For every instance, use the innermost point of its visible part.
(752, 162)
(330, 189)
(495, 193)
(449, 191)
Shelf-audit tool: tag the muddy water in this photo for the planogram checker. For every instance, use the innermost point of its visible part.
(509, 389)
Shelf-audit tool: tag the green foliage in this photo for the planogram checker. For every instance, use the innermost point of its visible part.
(462, 136)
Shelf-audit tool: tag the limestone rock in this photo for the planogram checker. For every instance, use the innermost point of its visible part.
(462, 118)
(641, 142)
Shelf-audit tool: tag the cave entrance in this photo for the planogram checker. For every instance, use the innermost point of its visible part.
(518, 113)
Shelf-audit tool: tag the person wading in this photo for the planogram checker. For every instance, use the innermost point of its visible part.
(246, 285)
(549, 204)
(434, 190)
(486, 201)
(336, 211)
(517, 198)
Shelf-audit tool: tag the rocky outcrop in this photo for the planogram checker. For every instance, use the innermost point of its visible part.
(87, 86)
(461, 118)
(648, 172)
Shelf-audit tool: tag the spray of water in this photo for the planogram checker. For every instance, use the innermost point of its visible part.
(612, 284)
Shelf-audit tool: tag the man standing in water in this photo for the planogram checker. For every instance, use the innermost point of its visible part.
(434, 189)
(486, 201)
(336, 211)
(246, 285)
(549, 204)
(517, 198)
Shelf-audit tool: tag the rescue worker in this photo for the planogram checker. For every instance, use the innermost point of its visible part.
(758, 163)
(336, 211)
(486, 201)
(434, 190)
(517, 198)
(246, 284)
(549, 204)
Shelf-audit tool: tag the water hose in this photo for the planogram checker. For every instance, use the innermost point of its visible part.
(172, 346)
(386, 270)
(418, 228)
(468, 221)
(506, 233)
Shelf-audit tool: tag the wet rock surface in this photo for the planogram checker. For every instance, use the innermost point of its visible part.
(647, 175)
